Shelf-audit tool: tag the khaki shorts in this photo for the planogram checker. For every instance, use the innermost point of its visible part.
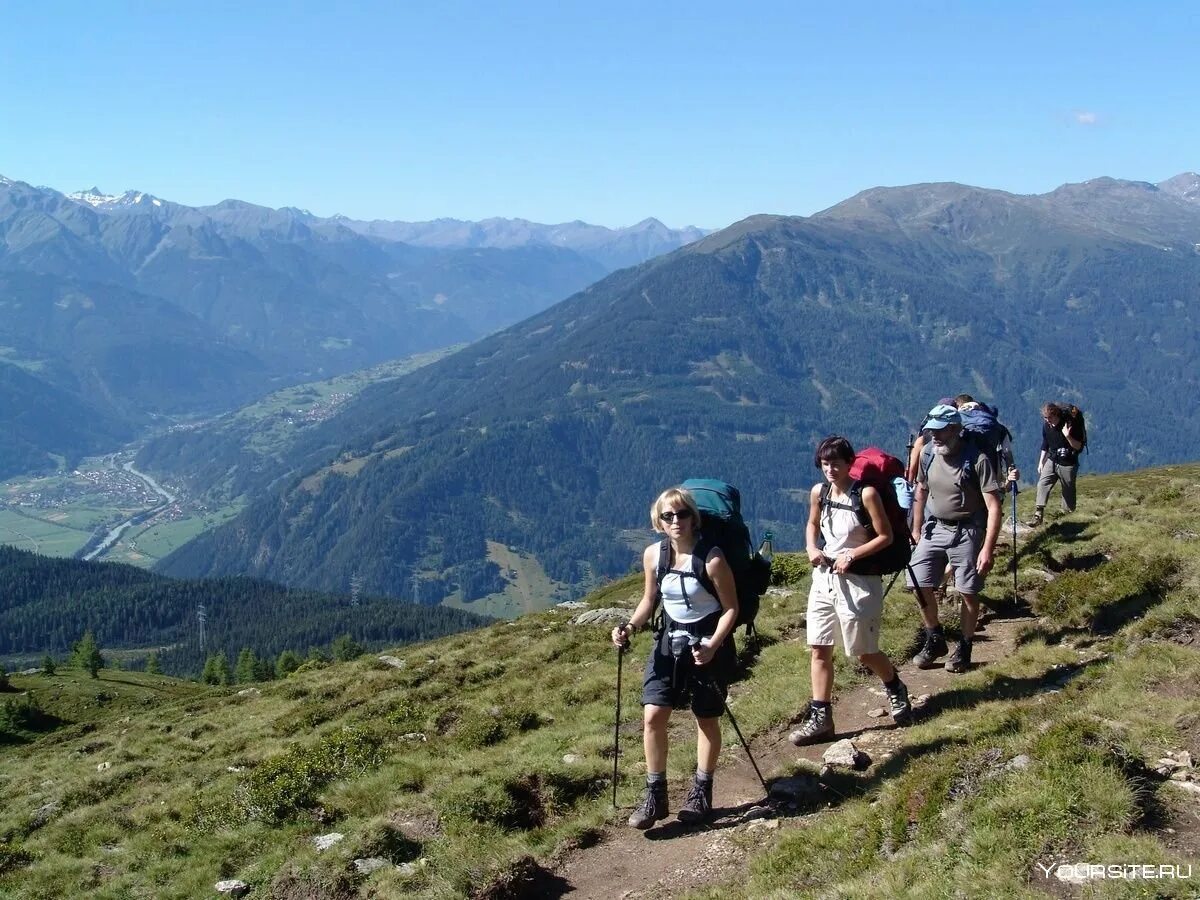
(848, 606)
(953, 545)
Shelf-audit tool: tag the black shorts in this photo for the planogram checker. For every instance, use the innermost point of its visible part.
(680, 683)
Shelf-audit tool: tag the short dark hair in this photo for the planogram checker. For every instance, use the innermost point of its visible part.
(963, 398)
(833, 447)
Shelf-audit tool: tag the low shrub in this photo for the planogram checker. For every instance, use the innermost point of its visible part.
(789, 569)
(1105, 597)
(13, 856)
(282, 786)
(489, 727)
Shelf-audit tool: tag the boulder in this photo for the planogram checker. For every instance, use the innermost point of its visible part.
(797, 788)
(845, 754)
(571, 604)
(600, 616)
(370, 864)
(1018, 763)
(232, 887)
(249, 692)
(394, 661)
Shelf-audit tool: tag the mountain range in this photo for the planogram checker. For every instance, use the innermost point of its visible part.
(731, 357)
(132, 306)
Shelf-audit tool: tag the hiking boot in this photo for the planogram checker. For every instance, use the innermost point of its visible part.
(935, 648)
(960, 659)
(653, 808)
(817, 726)
(698, 805)
(1036, 521)
(899, 703)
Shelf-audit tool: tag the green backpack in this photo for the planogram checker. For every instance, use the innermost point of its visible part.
(722, 525)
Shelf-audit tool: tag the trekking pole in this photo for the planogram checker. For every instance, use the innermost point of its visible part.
(617, 723)
(738, 732)
(1016, 597)
(711, 685)
(917, 588)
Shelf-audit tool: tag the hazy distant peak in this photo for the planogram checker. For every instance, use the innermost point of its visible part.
(1185, 185)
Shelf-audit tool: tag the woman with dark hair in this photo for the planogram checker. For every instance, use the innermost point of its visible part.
(841, 604)
(1062, 439)
(693, 657)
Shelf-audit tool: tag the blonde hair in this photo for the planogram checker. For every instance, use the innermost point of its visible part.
(674, 496)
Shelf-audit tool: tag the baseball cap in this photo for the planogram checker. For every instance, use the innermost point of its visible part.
(940, 416)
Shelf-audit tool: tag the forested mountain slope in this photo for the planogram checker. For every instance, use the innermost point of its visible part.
(47, 604)
(731, 357)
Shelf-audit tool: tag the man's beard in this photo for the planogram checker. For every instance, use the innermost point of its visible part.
(947, 449)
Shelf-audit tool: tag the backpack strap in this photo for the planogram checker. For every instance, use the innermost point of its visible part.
(926, 461)
(856, 502)
(698, 570)
(700, 565)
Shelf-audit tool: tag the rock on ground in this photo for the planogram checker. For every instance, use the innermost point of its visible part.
(844, 753)
(598, 616)
(325, 841)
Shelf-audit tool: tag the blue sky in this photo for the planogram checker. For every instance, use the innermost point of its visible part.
(698, 113)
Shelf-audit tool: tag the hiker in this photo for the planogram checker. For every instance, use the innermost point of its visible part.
(914, 452)
(693, 656)
(841, 603)
(957, 513)
(966, 403)
(1062, 439)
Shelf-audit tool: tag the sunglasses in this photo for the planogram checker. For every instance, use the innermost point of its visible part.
(670, 516)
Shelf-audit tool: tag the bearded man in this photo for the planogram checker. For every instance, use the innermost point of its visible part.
(956, 519)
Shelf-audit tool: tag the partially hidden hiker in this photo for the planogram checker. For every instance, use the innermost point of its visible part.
(1063, 436)
(956, 521)
(842, 605)
(693, 655)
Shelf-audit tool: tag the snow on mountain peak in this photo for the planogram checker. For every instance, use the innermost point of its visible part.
(97, 199)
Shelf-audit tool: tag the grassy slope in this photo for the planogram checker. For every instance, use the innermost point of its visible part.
(326, 749)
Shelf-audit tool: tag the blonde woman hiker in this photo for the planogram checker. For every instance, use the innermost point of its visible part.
(693, 656)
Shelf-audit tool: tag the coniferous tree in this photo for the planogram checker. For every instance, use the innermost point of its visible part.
(247, 667)
(3, 679)
(153, 667)
(216, 669)
(86, 655)
(288, 662)
(49, 666)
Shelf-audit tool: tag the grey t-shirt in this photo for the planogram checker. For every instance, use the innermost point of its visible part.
(953, 496)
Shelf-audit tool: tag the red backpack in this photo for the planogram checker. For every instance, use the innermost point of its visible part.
(878, 469)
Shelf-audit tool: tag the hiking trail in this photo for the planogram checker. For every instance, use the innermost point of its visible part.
(670, 858)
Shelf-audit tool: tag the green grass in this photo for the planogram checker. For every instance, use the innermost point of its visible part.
(458, 758)
(31, 532)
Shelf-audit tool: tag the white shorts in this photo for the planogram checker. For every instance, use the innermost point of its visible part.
(849, 606)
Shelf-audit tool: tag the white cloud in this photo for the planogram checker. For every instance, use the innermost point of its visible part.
(1084, 117)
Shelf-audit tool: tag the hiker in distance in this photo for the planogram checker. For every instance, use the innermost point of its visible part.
(840, 603)
(959, 485)
(693, 656)
(1063, 436)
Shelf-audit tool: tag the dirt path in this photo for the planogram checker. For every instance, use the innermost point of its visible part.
(630, 865)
